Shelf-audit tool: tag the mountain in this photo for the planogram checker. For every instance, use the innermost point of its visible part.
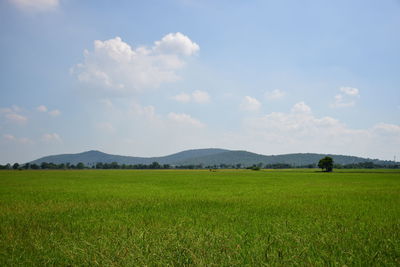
(249, 158)
(94, 156)
(209, 156)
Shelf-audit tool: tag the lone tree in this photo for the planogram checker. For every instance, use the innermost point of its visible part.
(326, 163)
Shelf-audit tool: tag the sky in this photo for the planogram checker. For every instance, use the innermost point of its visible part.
(155, 77)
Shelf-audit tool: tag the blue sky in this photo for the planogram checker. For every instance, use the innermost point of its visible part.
(149, 78)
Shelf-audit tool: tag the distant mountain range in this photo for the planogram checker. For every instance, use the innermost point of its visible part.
(207, 157)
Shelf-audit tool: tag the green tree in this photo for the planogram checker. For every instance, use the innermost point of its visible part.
(34, 166)
(114, 165)
(26, 166)
(155, 165)
(44, 165)
(99, 165)
(15, 166)
(80, 166)
(326, 163)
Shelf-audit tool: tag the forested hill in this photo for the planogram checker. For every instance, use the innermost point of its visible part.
(206, 157)
(94, 156)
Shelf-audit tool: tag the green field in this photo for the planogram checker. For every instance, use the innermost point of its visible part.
(198, 217)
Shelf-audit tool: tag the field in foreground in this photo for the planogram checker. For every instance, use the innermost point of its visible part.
(178, 217)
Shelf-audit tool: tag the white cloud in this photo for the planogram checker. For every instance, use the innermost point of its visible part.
(16, 118)
(12, 115)
(12, 109)
(183, 118)
(176, 43)
(250, 104)
(350, 91)
(197, 96)
(346, 98)
(301, 107)
(299, 122)
(51, 138)
(9, 137)
(275, 94)
(200, 96)
(12, 138)
(387, 128)
(105, 127)
(182, 97)
(36, 5)
(342, 102)
(117, 67)
(42, 108)
(299, 130)
(54, 113)
(145, 111)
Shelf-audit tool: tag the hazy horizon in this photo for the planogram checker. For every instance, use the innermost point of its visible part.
(158, 77)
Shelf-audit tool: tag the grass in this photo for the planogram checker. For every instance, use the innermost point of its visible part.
(197, 217)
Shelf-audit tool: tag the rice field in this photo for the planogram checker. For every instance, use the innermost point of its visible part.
(200, 218)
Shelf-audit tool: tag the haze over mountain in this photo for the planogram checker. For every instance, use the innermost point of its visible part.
(209, 156)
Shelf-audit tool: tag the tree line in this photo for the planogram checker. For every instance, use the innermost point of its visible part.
(156, 165)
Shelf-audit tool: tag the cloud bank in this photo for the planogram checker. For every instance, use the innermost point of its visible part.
(301, 131)
(197, 96)
(275, 94)
(13, 115)
(346, 98)
(116, 66)
(36, 5)
(250, 104)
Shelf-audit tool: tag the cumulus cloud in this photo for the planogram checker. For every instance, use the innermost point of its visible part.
(349, 91)
(12, 138)
(182, 97)
(51, 138)
(140, 117)
(250, 104)
(13, 115)
(340, 102)
(42, 108)
(200, 96)
(197, 97)
(299, 122)
(387, 128)
(301, 107)
(148, 112)
(299, 130)
(17, 118)
(116, 66)
(54, 113)
(346, 98)
(275, 94)
(176, 43)
(36, 5)
(183, 118)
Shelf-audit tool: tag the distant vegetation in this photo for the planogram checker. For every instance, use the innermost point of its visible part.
(326, 164)
(156, 165)
(211, 158)
(205, 158)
